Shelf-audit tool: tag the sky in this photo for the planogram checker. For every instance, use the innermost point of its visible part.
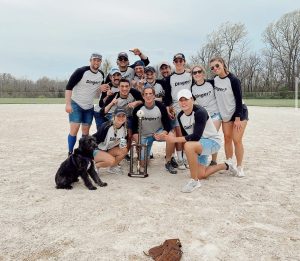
(52, 38)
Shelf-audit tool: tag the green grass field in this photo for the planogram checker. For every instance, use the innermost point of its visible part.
(249, 102)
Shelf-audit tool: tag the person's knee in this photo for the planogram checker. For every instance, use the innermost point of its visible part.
(237, 141)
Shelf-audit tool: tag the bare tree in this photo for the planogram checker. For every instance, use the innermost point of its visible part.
(283, 37)
(227, 41)
(106, 66)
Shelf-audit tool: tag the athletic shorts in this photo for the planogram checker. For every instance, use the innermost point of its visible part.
(79, 115)
(244, 115)
(209, 147)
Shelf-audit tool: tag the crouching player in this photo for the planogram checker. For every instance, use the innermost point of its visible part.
(200, 139)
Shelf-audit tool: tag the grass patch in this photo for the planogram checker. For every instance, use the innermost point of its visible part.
(271, 102)
(249, 102)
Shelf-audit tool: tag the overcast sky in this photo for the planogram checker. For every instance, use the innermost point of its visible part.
(52, 38)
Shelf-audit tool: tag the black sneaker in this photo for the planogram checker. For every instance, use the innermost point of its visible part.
(170, 168)
(174, 163)
(151, 156)
(127, 157)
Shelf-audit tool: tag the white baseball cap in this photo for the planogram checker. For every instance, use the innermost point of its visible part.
(185, 93)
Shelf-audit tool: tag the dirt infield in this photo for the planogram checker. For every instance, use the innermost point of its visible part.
(228, 218)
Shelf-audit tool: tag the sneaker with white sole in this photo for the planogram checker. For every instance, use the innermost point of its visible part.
(115, 170)
(191, 186)
(186, 164)
(181, 165)
(232, 168)
(240, 172)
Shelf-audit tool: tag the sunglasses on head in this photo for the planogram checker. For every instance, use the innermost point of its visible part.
(216, 66)
(195, 72)
(123, 59)
(178, 61)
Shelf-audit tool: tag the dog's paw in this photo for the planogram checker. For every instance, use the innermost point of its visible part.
(103, 184)
(92, 188)
(68, 187)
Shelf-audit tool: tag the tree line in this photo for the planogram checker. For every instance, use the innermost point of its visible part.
(268, 73)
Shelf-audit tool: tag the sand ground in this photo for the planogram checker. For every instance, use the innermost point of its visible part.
(228, 218)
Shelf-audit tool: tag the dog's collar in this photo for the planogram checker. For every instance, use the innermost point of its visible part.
(88, 160)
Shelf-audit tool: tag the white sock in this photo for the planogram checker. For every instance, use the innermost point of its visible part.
(179, 155)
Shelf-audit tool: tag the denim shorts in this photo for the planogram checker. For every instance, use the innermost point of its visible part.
(174, 123)
(149, 141)
(216, 116)
(209, 147)
(79, 115)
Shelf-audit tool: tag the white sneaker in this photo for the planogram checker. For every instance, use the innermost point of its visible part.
(181, 165)
(229, 161)
(232, 168)
(240, 172)
(115, 170)
(191, 186)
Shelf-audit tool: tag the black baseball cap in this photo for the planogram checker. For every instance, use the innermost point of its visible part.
(179, 56)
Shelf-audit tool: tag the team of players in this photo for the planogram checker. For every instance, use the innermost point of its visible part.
(182, 108)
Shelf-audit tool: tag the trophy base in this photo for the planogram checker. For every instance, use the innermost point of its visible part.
(138, 175)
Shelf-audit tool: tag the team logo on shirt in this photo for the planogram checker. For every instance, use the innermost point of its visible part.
(188, 127)
(93, 82)
(150, 118)
(203, 94)
(182, 83)
(218, 89)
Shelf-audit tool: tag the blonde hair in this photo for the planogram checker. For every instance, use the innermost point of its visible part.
(222, 61)
(201, 67)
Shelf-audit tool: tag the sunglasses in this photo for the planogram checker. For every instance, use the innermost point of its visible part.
(216, 66)
(123, 59)
(195, 72)
(178, 61)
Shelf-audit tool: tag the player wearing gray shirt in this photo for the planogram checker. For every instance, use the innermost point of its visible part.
(155, 123)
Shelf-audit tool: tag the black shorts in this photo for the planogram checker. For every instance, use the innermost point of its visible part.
(244, 115)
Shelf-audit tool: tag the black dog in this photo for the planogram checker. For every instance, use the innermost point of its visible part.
(79, 164)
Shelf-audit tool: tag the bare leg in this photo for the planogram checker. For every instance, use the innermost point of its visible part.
(238, 143)
(227, 130)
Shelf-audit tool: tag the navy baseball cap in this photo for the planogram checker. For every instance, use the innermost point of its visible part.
(149, 69)
(139, 63)
(119, 110)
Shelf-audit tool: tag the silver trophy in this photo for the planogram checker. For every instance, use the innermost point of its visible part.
(138, 146)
